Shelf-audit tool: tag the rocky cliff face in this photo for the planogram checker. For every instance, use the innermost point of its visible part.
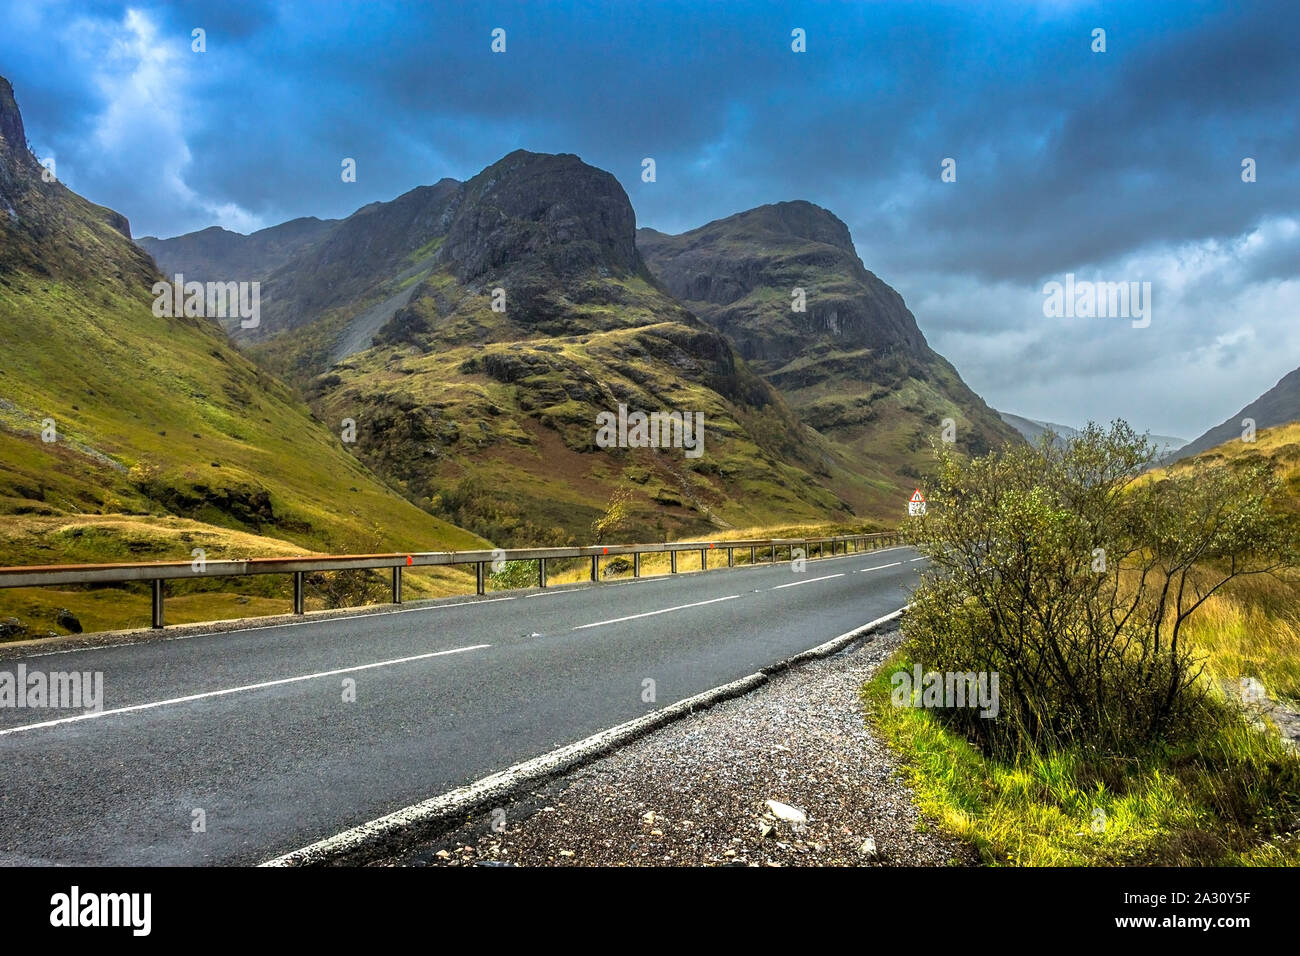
(13, 138)
(849, 357)
(45, 226)
(740, 274)
(551, 212)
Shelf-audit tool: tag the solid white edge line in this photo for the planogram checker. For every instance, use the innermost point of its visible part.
(455, 804)
(235, 690)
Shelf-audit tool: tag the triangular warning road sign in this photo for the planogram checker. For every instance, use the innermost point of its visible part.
(917, 496)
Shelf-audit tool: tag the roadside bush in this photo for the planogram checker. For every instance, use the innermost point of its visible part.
(516, 574)
(1067, 572)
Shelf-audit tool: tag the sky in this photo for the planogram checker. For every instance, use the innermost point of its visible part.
(1123, 165)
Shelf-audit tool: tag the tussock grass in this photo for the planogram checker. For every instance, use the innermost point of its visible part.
(1252, 629)
(1230, 798)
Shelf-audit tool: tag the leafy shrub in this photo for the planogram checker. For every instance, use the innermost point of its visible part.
(1063, 569)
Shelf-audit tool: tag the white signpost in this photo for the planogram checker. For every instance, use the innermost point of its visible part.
(916, 504)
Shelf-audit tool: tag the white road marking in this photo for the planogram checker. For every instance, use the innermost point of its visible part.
(659, 576)
(825, 577)
(236, 690)
(504, 785)
(633, 617)
(914, 560)
(878, 567)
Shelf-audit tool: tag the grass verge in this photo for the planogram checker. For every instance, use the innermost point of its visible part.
(1231, 798)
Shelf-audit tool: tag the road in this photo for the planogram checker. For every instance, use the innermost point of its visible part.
(252, 729)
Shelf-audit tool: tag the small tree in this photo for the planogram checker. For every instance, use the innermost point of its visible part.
(617, 516)
(1071, 573)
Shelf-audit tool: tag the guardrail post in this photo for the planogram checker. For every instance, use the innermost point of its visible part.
(731, 557)
(298, 588)
(397, 584)
(157, 602)
(595, 567)
(753, 554)
(636, 564)
(541, 572)
(672, 562)
(704, 560)
(480, 585)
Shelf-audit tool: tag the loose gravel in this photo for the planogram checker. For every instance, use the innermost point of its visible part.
(695, 793)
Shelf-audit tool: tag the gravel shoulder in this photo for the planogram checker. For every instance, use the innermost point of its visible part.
(696, 793)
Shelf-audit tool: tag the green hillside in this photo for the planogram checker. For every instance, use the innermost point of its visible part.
(152, 417)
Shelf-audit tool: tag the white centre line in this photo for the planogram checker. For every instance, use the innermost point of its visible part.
(825, 577)
(235, 690)
(878, 567)
(633, 617)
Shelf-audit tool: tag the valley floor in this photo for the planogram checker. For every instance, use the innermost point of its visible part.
(695, 792)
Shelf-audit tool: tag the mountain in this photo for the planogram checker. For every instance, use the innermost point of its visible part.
(1032, 430)
(217, 252)
(127, 435)
(852, 362)
(491, 414)
(1278, 406)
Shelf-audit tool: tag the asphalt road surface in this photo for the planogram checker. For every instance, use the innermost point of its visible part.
(252, 727)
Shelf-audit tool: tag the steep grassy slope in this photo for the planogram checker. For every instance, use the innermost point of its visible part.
(153, 416)
(1252, 628)
(1278, 406)
(853, 363)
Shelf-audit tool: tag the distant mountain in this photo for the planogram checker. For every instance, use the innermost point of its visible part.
(1033, 429)
(1278, 406)
(109, 409)
(852, 362)
(216, 252)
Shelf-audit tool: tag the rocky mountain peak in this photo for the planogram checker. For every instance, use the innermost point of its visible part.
(551, 206)
(798, 219)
